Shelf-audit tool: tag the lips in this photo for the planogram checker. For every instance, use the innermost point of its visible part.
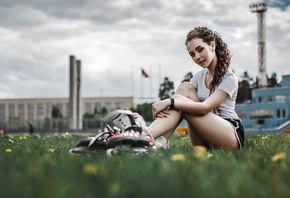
(201, 62)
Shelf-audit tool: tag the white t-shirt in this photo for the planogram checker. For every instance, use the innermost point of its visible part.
(229, 84)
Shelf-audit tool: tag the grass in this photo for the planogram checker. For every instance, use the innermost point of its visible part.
(40, 166)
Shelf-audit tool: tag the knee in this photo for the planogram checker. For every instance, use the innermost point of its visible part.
(185, 88)
(188, 90)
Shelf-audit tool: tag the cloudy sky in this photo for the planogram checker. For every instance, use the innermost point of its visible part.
(115, 38)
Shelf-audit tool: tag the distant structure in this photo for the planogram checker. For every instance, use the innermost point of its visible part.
(269, 111)
(260, 9)
(75, 99)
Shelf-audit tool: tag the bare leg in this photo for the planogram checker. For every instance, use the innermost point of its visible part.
(194, 137)
(210, 130)
(166, 126)
(219, 133)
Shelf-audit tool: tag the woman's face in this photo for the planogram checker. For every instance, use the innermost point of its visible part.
(202, 53)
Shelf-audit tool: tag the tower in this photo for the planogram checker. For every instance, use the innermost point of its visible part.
(260, 9)
(75, 101)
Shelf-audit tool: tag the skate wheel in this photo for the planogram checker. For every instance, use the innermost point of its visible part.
(109, 152)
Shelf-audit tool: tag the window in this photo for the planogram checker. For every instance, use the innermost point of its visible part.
(48, 109)
(118, 104)
(242, 114)
(261, 99)
(108, 104)
(2, 109)
(261, 113)
(39, 109)
(98, 106)
(280, 99)
(30, 108)
(88, 106)
(59, 106)
(21, 110)
(281, 113)
(11, 108)
(269, 99)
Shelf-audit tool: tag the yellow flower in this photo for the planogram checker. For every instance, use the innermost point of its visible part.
(24, 137)
(94, 169)
(278, 157)
(209, 155)
(11, 141)
(20, 138)
(178, 157)
(51, 150)
(200, 152)
(8, 150)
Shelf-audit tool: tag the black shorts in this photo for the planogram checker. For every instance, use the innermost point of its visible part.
(239, 130)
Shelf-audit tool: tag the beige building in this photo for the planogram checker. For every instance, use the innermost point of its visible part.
(41, 108)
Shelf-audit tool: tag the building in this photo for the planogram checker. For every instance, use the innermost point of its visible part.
(41, 108)
(269, 111)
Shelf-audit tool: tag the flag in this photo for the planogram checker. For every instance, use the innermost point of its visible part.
(144, 74)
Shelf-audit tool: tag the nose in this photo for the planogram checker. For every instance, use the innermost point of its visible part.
(197, 56)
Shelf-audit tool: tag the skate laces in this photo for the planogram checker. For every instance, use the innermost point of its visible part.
(105, 136)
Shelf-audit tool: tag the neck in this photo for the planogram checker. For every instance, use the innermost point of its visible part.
(212, 66)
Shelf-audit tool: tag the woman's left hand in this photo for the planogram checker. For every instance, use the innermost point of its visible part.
(160, 106)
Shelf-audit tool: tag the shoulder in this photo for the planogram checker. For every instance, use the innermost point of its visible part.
(197, 78)
(230, 75)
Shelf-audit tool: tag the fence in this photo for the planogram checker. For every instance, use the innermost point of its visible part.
(50, 125)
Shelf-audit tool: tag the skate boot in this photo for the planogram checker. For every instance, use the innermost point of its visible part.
(134, 131)
(97, 143)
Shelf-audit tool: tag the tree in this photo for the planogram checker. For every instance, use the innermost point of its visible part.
(55, 113)
(145, 110)
(272, 81)
(245, 88)
(166, 89)
(187, 77)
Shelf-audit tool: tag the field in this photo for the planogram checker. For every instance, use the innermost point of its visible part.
(41, 166)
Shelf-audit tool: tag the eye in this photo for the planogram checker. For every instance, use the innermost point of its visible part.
(200, 49)
(192, 54)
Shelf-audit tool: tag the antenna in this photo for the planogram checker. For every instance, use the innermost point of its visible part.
(260, 9)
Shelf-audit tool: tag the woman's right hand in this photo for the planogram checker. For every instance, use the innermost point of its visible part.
(161, 106)
(162, 114)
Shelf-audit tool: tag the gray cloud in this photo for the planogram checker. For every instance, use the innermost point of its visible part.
(114, 39)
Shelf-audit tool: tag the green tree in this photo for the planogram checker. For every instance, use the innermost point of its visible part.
(145, 110)
(104, 110)
(55, 113)
(272, 81)
(245, 88)
(166, 89)
(187, 77)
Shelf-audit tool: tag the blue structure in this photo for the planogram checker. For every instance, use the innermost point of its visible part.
(269, 111)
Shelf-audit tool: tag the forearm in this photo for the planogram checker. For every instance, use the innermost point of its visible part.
(191, 107)
(187, 105)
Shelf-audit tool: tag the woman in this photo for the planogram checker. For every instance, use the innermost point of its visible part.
(207, 102)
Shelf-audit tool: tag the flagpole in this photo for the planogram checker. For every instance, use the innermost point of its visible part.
(132, 81)
(142, 110)
(151, 96)
(159, 77)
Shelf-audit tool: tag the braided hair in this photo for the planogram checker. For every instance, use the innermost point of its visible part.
(222, 52)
